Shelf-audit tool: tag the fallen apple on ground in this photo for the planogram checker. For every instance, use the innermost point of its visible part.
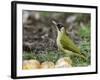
(47, 64)
(31, 64)
(64, 62)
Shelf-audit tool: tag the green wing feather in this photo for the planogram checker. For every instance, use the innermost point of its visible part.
(68, 44)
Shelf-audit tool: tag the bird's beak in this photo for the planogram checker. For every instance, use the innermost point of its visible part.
(54, 22)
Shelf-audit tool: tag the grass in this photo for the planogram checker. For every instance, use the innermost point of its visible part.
(50, 56)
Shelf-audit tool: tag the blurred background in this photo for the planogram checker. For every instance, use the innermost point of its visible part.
(39, 35)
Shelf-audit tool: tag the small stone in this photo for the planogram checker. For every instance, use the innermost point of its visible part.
(47, 64)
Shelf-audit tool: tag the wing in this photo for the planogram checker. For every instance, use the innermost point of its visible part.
(68, 44)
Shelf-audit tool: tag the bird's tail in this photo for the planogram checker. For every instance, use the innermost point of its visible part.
(82, 56)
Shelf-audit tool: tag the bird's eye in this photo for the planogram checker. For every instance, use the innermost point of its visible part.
(59, 26)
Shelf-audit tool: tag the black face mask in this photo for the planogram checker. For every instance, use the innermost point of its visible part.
(59, 26)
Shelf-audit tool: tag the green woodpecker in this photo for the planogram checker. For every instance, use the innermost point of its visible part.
(64, 43)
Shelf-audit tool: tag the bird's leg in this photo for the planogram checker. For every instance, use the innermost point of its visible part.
(58, 49)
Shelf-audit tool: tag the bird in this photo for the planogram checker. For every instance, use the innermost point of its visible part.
(64, 42)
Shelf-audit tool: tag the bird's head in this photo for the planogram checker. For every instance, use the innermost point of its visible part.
(59, 26)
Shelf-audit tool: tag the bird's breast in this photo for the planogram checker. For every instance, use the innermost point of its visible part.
(58, 42)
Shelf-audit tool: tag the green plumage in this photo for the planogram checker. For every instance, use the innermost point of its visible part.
(68, 44)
